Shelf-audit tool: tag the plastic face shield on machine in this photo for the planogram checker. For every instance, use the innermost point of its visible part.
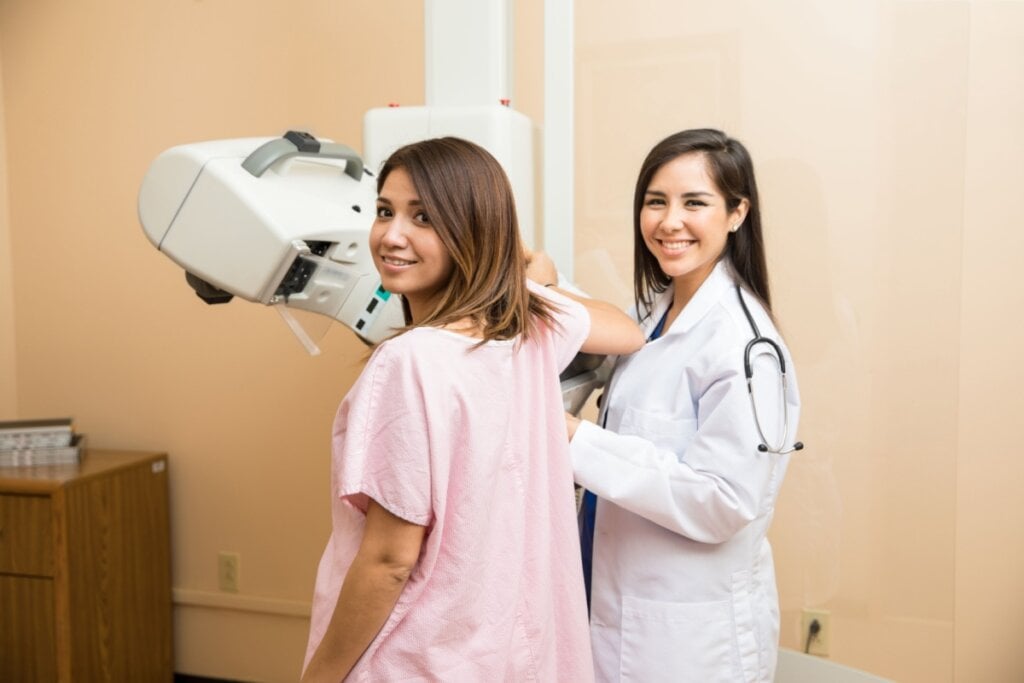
(278, 221)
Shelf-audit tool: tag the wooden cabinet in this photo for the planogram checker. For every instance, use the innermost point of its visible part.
(85, 570)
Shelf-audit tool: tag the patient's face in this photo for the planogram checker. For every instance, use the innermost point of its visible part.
(409, 255)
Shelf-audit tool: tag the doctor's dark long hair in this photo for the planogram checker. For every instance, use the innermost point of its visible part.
(469, 201)
(730, 167)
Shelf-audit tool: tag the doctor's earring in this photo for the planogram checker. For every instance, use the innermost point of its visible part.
(735, 227)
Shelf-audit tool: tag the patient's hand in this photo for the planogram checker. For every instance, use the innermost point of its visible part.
(571, 423)
(540, 268)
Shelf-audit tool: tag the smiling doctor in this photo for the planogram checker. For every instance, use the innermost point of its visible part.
(686, 466)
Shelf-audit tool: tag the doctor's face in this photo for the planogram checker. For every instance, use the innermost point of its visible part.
(409, 255)
(685, 221)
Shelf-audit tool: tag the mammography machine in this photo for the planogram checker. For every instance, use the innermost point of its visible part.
(278, 221)
(284, 222)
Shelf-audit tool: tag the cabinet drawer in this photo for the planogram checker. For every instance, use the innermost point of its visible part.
(26, 536)
(28, 632)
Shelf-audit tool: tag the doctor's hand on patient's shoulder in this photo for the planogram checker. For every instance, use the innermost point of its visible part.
(572, 423)
(540, 268)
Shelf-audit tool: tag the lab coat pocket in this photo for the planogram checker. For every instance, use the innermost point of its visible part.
(677, 641)
(671, 432)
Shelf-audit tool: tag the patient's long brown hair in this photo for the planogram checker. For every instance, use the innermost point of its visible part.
(469, 200)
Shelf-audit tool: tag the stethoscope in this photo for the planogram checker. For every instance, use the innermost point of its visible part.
(748, 370)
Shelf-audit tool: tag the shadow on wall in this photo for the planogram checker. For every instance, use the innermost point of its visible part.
(806, 533)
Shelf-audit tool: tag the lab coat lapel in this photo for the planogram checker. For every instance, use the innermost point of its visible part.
(661, 303)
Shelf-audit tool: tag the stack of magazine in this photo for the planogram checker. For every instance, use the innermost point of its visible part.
(39, 442)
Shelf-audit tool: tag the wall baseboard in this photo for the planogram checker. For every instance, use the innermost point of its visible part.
(189, 597)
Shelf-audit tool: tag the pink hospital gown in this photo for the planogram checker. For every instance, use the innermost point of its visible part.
(471, 443)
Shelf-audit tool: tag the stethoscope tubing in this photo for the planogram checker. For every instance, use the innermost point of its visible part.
(748, 371)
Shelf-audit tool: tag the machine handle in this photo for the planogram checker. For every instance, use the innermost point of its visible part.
(297, 143)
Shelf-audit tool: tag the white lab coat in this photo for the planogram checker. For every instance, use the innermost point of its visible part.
(683, 583)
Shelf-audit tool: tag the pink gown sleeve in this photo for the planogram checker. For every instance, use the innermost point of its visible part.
(573, 324)
(381, 439)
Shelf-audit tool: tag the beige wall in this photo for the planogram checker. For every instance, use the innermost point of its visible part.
(886, 136)
(989, 522)
(8, 386)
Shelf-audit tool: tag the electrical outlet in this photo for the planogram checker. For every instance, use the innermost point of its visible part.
(815, 643)
(227, 572)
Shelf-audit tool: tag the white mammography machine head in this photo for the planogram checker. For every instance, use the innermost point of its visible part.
(273, 221)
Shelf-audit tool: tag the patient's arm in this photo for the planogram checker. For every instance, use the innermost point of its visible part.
(612, 332)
